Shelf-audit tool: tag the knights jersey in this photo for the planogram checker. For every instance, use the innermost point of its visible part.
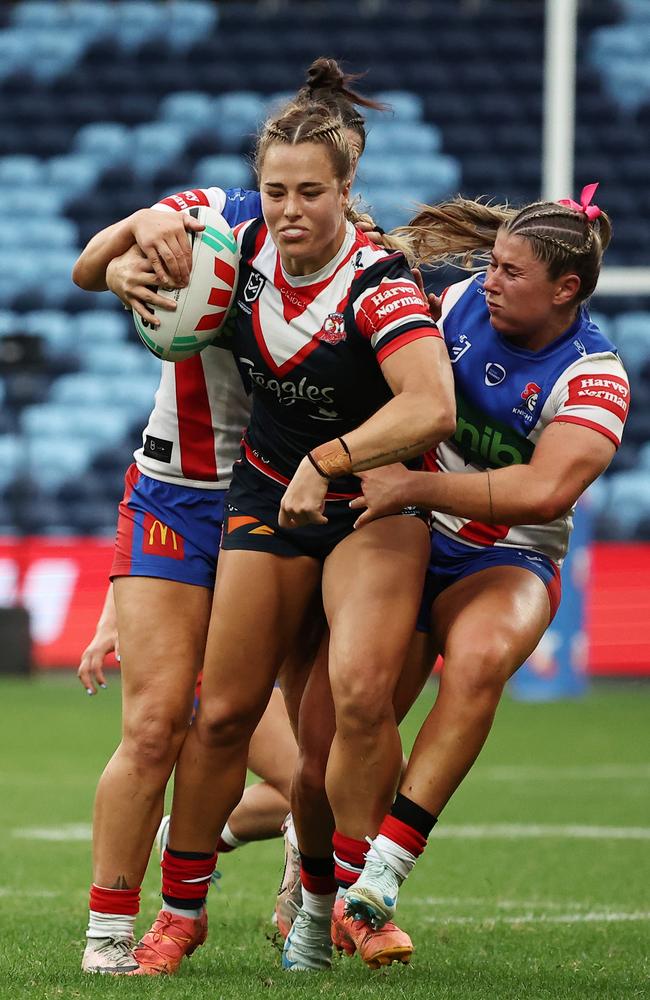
(311, 346)
(506, 396)
(201, 406)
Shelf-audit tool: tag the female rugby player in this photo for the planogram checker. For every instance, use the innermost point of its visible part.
(542, 400)
(347, 373)
(179, 480)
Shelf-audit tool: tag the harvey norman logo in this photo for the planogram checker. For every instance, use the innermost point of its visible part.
(606, 391)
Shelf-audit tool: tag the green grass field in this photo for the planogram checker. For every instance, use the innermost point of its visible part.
(535, 883)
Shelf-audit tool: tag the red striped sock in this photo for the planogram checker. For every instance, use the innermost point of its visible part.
(186, 878)
(404, 835)
(349, 858)
(123, 901)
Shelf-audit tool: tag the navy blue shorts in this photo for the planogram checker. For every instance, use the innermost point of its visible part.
(253, 507)
(452, 560)
(168, 531)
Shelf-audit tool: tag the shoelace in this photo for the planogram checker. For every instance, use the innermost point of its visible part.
(123, 946)
(381, 856)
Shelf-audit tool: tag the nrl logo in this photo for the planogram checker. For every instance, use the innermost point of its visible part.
(333, 329)
(254, 286)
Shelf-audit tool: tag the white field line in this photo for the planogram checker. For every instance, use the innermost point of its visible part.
(29, 893)
(528, 831)
(585, 772)
(489, 902)
(591, 917)
(66, 832)
(485, 831)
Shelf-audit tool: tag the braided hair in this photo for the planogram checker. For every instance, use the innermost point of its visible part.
(463, 232)
(298, 123)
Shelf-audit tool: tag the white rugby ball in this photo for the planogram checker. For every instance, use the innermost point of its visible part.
(202, 306)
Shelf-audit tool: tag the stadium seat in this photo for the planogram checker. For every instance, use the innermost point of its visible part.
(9, 322)
(191, 110)
(632, 337)
(154, 145)
(189, 21)
(237, 115)
(128, 359)
(72, 175)
(82, 388)
(51, 458)
(223, 171)
(109, 141)
(101, 325)
(409, 137)
(406, 106)
(21, 170)
(11, 454)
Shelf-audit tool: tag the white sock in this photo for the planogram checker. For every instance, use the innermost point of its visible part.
(194, 914)
(318, 907)
(109, 925)
(229, 837)
(387, 851)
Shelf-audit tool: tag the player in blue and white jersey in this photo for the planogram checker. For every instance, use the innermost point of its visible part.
(542, 400)
(167, 546)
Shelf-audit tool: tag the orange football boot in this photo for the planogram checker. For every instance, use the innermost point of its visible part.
(171, 938)
(376, 947)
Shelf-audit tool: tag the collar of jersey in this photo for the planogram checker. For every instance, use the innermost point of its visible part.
(299, 281)
(523, 352)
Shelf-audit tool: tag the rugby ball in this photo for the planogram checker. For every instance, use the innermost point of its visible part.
(202, 306)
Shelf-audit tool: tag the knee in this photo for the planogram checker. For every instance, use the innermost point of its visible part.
(222, 723)
(309, 776)
(478, 677)
(154, 738)
(363, 701)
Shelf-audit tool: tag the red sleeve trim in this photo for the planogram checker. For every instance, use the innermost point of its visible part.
(185, 199)
(562, 419)
(407, 338)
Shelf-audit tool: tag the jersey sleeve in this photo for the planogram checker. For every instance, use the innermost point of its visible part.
(234, 204)
(594, 392)
(390, 312)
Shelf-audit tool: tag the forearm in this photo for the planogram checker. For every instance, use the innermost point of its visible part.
(108, 617)
(89, 271)
(408, 425)
(514, 495)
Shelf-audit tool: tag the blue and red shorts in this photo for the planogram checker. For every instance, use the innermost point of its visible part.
(168, 531)
(452, 560)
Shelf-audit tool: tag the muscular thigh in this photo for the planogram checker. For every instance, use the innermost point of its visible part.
(261, 604)
(162, 625)
(498, 614)
(372, 584)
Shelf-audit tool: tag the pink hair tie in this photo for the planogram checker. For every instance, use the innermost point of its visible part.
(591, 211)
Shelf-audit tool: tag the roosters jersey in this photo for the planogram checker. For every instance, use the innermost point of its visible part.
(507, 396)
(201, 407)
(311, 346)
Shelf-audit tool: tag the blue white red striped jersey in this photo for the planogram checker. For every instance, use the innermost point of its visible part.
(506, 396)
(311, 346)
(201, 407)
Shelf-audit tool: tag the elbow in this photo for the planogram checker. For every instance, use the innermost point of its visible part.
(445, 424)
(80, 278)
(548, 507)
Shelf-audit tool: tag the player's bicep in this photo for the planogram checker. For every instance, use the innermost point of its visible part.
(569, 457)
(422, 364)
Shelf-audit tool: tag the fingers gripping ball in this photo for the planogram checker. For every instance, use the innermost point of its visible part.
(202, 306)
